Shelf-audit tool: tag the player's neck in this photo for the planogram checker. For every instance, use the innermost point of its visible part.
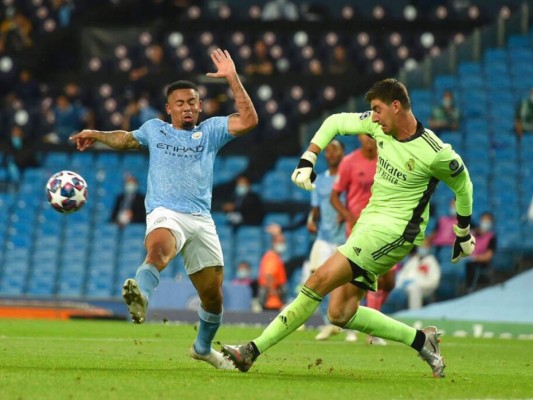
(406, 126)
(333, 170)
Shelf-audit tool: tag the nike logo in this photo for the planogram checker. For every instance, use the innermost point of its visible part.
(163, 132)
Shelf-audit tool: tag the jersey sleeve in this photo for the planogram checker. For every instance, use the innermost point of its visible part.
(450, 169)
(344, 124)
(218, 131)
(142, 134)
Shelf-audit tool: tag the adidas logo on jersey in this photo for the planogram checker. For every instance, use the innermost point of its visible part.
(357, 250)
(380, 144)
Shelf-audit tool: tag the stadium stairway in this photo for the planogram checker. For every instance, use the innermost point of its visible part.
(508, 302)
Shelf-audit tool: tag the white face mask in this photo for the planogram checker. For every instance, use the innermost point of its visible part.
(485, 226)
(243, 273)
(130, 188)
(280, 248)
(242, 190)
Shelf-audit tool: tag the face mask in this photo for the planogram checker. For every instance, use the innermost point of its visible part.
(280, 248)
(241, 190)
(242, 274)
(447, 102)
(16, 141)
(485, 226)
(422, 251)
(130, 188)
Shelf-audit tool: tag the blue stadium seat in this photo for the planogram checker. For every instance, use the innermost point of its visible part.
(282, 219)
(286, 164)
(275, 187)
(235, 165)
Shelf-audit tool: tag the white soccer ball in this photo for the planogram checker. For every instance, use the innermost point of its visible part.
(66, 191)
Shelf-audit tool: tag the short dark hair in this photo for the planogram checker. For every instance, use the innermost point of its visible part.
(338, 143)
(181, 85)
(389, 90)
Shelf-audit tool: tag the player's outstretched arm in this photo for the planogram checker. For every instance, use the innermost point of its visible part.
(246, 117)
(119, 140)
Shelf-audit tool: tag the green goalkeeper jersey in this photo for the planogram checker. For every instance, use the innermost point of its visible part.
(407, 174)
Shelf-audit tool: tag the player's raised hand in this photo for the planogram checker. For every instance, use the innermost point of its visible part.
(224, 63)
(84, 139)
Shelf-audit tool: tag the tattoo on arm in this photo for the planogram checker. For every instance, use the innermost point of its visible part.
(243, 103)
(119, 140)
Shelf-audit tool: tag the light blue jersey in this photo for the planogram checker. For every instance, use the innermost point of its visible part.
(180, 175)
(329, 228)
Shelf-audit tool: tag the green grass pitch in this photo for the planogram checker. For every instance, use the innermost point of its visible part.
(117, 360)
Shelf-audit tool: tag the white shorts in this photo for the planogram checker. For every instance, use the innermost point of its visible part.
(320, 252)
(196, 237)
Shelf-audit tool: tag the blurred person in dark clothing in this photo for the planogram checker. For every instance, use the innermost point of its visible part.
(137, 112)
(247, 207)
(129, 205)
(18, 154)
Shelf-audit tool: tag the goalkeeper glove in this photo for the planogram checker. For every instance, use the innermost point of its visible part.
(304, 176)
(464, 244)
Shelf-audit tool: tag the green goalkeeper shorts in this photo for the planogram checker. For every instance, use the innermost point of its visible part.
(374, 252)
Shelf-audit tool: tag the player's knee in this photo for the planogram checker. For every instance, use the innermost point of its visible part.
(338, 316)
(211, 299)
(158, 257)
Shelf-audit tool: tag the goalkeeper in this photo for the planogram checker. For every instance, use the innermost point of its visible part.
(411, 162)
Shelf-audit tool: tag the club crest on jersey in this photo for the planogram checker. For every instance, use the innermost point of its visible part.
(410, 164)
(454, 164)
(364, 115)
(197, 135)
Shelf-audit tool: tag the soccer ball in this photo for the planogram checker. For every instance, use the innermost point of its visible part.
(66, 191)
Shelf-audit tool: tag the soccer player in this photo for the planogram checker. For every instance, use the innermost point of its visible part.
(178, 199)
(411, 162)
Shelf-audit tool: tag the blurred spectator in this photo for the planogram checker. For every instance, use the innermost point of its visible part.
(243, 276)
(524, 116)
(129, 205)
(416, 281)
(478, 264)
(27, 88)
(280, 10)
(443, 236)
(260, 62)
(272, 276)
(16, 29)
(19, 153)
(154, 63)
(211, 107)
(315, 67)
(246, 207)
(339, 63)
(137, 112)
(63, 10)
(68, 118)
(445, 116)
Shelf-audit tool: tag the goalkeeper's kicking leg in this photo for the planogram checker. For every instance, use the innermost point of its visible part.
(337, 271)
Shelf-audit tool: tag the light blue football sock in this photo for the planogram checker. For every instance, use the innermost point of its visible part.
(147, 278)
(207, 330)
